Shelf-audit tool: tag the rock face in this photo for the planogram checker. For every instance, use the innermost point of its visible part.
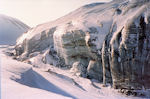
(11, 29)
(109, 42)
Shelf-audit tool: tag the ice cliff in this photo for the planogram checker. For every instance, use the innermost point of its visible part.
(105, 41)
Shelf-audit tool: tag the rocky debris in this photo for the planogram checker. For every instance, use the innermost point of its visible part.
(108, 42)
(137, 93)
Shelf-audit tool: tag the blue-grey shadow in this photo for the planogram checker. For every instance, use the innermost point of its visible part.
(33, 79)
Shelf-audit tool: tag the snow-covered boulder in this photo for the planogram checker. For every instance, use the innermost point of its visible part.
(11, 29)
(110, 41)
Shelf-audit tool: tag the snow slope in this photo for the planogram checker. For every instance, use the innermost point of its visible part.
(11, 29)
(23, 81)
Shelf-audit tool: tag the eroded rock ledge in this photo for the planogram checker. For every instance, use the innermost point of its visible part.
(109, 42)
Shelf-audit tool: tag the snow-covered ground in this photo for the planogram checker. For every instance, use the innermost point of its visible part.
(11, 29)
(23, 81)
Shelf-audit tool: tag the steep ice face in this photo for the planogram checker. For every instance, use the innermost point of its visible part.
(111, 42)
(10, 29)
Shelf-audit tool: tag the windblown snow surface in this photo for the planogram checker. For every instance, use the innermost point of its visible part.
(23, 81)
(11, 29)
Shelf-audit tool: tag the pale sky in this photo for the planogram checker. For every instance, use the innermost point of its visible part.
(34, 12)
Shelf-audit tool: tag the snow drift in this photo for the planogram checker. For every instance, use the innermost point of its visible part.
(11, 29)
(109, 42)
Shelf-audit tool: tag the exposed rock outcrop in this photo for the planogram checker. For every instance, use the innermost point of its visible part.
(109, 42)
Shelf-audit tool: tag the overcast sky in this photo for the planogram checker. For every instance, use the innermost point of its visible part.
(34, 12)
